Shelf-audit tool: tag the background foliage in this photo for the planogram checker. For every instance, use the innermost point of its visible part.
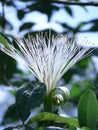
(10, 73)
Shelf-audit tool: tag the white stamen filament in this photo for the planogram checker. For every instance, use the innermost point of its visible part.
(47, 58)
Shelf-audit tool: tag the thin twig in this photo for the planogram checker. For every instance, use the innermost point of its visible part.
(75, 3)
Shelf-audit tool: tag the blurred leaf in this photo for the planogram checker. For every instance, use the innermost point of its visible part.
(28, 128)
(4, 40)
(78, 69)
(75, 91)
(73, 71)
(4, 23)
(69, 10)
(20, 14)
(65, 25)
(47, 8)
(95, 52)
(8, 3)
(25, 26)
(88, 110)
(72, 127)
(94, 25)
(79, 87)
(10, 115)
(88, 84)
(45, 116)
(80, 25)
(28, 97)
(43, 6)
(85, 128)
(84, 63)
(94, 28)
(8, 67)
(19, 79)
(68, 76)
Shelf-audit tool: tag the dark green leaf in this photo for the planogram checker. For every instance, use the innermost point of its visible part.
(95, 52)
(45, 116)
(8, 67)
(6, 62)
(69, 74)
(88, 84)
(85, 128)
(25, 26)
(84, 63)
(20, 14)
(28, 97)
(4, 40)
(11, 115)
(29, 128)
(69, 11)
(65, 25)
(94, 28)
(72, 127)
(80, 25)
(43, 7)
(88, 110)
(4, 23)
(75, 91)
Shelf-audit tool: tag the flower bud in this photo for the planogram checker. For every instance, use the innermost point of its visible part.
(60, 96)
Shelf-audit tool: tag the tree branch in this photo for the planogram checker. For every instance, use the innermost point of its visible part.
(75, 3)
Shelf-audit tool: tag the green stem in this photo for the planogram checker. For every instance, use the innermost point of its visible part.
(48, 107)
(48, 103)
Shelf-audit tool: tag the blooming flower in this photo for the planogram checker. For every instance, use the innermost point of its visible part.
(48, 58)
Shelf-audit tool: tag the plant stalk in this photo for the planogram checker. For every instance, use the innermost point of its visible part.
(48, 103)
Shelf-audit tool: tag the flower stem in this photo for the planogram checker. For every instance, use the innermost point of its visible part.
(48, 103)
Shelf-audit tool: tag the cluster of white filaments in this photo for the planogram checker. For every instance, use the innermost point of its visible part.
(48, 58)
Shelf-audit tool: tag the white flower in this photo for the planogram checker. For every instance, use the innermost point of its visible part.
(48, 58)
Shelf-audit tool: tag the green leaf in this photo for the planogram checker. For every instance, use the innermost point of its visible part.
(95, 52)
(69, 11)
(4, 40)
(75, 91)
(25, 26)
(28, 128)
(85, 128)
(8, 67)
(11, 115)
(80, 25)
(72, 127)
(88, 110)
(84, 63)
(45, 116)
(5, 23)
(28, 97)
(20, 14)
